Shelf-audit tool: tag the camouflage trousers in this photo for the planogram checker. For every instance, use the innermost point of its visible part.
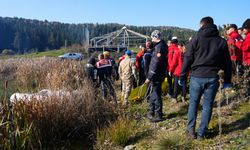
(126, 89)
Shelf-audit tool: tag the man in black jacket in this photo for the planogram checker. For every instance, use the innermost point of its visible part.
(156, 75)
(206, 54)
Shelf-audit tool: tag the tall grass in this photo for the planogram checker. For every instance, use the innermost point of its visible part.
(53, 121)
(117, 133)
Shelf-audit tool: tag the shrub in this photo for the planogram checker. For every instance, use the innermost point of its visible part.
(118, 133)
(8, 52)
(175, 141)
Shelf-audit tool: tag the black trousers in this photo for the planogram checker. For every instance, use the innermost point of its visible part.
(155, 101)
(178, 88)
(170, 85)
(142, 77)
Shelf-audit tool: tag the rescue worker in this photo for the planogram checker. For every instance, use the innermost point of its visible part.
(171, 50)
(246, 43)
(104, 69)
(234, 41)
(140, 65)
(246, 54)
(127, 73)
(147, 57)
(175, 69)
(146, 62)
(156, 75)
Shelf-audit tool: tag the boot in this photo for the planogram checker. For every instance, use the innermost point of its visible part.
(190, 135)
(183, 99)
(125, 104)
(158, 118)
(150, 116)
(174, 100)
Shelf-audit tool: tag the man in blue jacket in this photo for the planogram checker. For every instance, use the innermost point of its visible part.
(156, 75)
(206, 54)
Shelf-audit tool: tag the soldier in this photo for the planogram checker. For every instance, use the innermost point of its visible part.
(127, 72)
(104, 69)
(156, 75)
(114, 72)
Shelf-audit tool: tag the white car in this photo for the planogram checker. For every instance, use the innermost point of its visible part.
(73, 56)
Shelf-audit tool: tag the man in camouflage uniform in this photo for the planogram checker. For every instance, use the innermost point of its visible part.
(126, 72)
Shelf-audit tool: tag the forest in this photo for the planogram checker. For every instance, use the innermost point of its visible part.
(20, 35)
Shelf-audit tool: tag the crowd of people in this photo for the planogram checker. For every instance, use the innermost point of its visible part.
(198, 62)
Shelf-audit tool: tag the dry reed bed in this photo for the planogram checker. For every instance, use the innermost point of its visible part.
(53, 120)
(38, 73)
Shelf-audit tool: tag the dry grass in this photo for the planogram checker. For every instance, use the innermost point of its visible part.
(118, 133)
(53, 121)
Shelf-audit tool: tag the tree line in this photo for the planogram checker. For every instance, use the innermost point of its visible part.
(28, 35)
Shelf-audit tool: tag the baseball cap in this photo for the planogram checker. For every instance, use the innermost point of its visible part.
(128, 52)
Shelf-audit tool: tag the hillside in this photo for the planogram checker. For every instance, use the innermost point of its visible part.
(26, 35)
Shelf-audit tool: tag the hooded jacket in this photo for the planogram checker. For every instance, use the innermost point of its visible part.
(234, 42)
(206, 54)
(175, 66)
(171, 50)
(246, 50)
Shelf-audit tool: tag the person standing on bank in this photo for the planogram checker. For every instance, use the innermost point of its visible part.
(127, 71)
(156, 75)
(139, 64)
(206, 54)
(246, 54)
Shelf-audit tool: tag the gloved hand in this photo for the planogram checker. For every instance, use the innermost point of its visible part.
(181, 82)
(227, 85)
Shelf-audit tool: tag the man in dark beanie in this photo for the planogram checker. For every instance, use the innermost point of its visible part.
(246, 43)
(156, 75)
(206, 54)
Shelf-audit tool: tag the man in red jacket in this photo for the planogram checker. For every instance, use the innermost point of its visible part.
(175, 68)
(173, 46)
(234, 41)
(246, 53)
(246, 43)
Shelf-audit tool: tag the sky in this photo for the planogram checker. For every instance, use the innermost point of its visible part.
(180, 13)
